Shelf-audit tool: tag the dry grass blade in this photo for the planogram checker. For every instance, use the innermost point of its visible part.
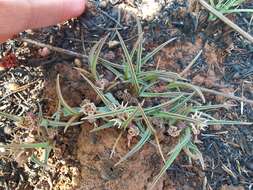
(183, 73)
(124, 126)
(173, 155)
(100, 94)
(215, 92)
(139, 49)
(71, 120)
(226, 20)
(156, 50)
(61, 99)
(153, 131)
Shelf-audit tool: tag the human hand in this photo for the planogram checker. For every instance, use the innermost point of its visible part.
(19, 15)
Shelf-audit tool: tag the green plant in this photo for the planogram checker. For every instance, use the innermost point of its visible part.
(180, 105)
(34, 124)
(179, 109)
(227, 7)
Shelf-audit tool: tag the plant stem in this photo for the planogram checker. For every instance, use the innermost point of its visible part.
(226, 20)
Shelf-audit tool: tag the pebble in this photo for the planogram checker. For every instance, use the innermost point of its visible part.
(113, 44)
(7, 130)
(103, 4)
(11, 86)
(44, 52)
(77, 62)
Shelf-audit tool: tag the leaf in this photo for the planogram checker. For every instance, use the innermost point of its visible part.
(129, 63)
(193, 152)
(105, 126)
(188, 85)
(137, 147)
(182, 103)
(61, 99)
(226, 122)
(211, 107)
(110, 113)
(93, 56)
(163, 75)
(160, 106)
(170, 115)
(139, 49)
(162, 94)
(174, 154)
(25, 145)
(153, 130)
(99, 93)
(70, 122)
(11, 117)
(49, 123)
(115, 72)
(112, 99)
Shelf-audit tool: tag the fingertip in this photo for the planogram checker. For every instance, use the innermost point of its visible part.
(76, 7)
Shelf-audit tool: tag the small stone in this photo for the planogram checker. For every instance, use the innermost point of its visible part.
(113, 44)
(114, 2)
(44, 52)
(2, 150)
(11, 86)
(7, 130)
(77, 62)
(25, 44)
(103, 4)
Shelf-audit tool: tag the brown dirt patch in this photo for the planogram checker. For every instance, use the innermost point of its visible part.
(98, 171)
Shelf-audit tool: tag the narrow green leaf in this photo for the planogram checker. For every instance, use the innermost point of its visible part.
(137, 147)
(49, 123)
(162, 94)
(110, 113)
(10, 116)
(139, 49)
(211, 107)
(174, 154)
(170, 115)
(25, 145)
(188, 85)
(94, 54)
(105, 126)
(99, 93)
(226, 122)
(130, 64)
(162, 105)
(179, 105)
